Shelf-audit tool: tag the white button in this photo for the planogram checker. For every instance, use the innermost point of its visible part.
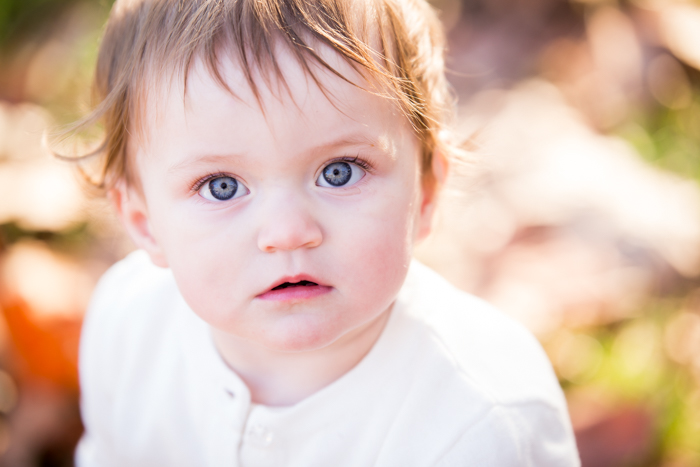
(259, 436)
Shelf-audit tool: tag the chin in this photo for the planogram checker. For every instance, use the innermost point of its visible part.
(302, 337)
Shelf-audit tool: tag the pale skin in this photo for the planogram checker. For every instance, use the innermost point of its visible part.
(285, 223)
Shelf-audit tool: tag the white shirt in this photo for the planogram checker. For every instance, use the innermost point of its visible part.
(450, 382)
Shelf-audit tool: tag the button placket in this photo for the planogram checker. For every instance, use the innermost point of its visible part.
(234, 409)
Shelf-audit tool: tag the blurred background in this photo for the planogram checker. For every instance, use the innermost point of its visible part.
(579, 213)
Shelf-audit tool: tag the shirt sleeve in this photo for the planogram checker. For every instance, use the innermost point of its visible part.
(525, 435)
(101, 362)
(95, 397)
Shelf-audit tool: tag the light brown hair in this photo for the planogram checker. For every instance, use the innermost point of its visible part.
(396, 43)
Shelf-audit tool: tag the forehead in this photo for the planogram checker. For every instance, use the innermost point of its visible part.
(303, 101)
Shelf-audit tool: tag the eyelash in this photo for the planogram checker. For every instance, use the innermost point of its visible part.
(363, 164)
(202, 181)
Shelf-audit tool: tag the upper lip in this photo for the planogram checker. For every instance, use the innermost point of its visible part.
(292, 280)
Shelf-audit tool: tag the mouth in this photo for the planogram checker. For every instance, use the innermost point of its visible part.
(286, 285)
(295, 289)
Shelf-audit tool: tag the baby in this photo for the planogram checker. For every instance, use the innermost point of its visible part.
(275, 161)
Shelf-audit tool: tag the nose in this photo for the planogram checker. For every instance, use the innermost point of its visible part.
(289, 226)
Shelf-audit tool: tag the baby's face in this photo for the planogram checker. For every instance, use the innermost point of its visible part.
(290, 228)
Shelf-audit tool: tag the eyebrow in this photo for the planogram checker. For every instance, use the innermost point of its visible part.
(381, 143)
(200, 160)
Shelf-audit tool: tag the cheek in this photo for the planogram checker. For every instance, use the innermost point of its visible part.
(383, 245)
(190, 234)
(206, 257)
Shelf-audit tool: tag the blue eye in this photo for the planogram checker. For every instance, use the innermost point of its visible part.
(339, 174)
(222, 189)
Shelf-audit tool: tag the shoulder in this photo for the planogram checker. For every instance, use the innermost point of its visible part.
(129, 352)
(496, 364)
(131, 301)
(500, 355)
(132, 278)
(530, 435)
(127, 292)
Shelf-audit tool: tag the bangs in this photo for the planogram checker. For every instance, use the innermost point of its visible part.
(396, 45)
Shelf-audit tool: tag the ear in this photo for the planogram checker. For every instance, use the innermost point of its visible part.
(431, 190)
(133, 213)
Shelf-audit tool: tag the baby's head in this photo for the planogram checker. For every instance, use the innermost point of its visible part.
(280, 156)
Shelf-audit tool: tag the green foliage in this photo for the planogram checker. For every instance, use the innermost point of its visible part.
(70, 240)
(21, 19)
(634, 367)
(668, 138)
(26, 21)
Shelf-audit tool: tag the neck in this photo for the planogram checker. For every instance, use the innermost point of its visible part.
(277, 378)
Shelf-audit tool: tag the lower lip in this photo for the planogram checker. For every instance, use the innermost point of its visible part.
(296, 293)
